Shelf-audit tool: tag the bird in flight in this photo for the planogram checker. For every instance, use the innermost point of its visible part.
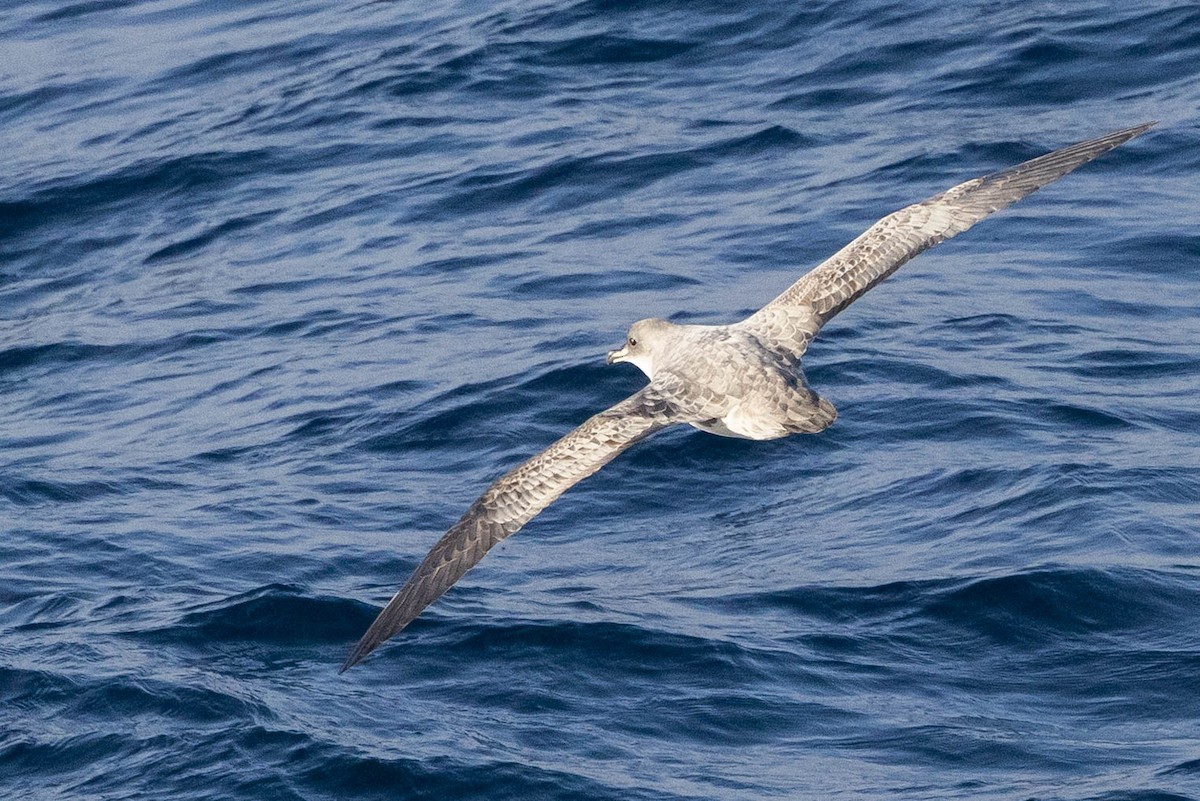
(738, 380)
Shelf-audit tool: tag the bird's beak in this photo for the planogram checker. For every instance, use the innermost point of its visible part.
(617, 355)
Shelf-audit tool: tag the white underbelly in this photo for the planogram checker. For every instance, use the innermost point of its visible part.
(738, 424)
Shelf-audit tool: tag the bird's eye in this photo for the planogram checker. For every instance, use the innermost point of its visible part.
(632, 342)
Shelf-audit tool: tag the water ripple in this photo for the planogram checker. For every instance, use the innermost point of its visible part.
(282, 287)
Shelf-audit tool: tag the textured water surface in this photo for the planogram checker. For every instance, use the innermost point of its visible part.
(283, 286)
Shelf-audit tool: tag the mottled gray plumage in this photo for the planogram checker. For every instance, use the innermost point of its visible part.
(738, 380)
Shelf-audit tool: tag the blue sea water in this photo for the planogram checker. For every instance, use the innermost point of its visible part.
(284, 285)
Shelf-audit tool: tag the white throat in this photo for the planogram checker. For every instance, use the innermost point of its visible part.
(644, 363)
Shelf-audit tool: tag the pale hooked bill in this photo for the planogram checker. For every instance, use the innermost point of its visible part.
(740, 380)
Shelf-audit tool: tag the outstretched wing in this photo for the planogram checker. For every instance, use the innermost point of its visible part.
(514, 500)
(789, 322)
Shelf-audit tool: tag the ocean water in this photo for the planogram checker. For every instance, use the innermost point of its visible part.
(284, 285)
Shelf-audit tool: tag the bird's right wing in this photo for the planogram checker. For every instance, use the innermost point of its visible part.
(789, 322)
(513, 500)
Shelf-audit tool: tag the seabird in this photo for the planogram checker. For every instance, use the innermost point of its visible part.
(739, 380)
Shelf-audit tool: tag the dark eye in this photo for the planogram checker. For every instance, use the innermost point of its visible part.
(632, 342)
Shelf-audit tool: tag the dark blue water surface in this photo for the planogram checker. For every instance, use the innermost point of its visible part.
(284, 285)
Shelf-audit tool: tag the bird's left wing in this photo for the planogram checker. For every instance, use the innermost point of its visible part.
(515, 499)
(789, 322)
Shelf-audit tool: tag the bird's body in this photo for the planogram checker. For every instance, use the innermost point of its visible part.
(724, 380)
(741, 379)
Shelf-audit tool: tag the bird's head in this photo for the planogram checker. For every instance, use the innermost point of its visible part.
(644, 339)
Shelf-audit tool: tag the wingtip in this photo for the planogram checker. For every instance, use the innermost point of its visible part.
(1117, 138)
(360, 652)
(1123, 135)
(390, 621)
